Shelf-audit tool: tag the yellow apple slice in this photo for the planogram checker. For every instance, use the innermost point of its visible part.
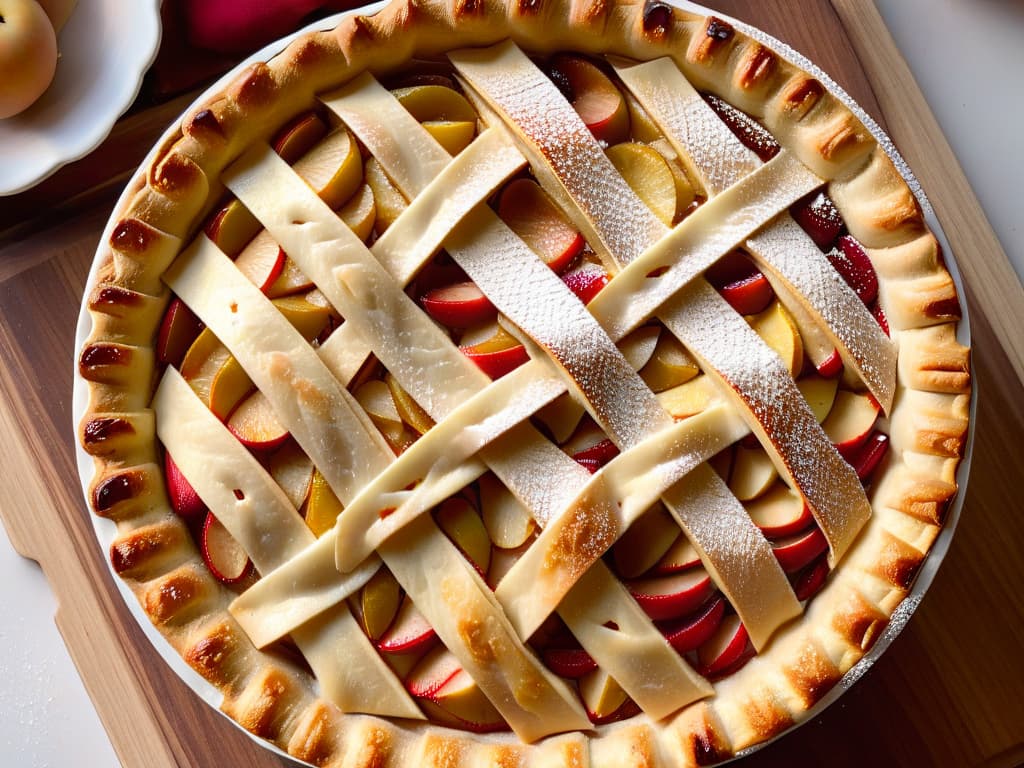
(641, 126)
(408, 409)
(433, 102)
(333, 168)
(670, 365)
(688, 399)
(232, 227)
(291, 280)
(255, 424)
(388, 201)
(379, 601)
(649, 175)
(449, 695)
(686, 194)
(778, 330)
(752, 474)
(292, 470)
(820, 394)
(645, 542)
(299, 136)
(602, 696)
(307, 318)
(323, 507)
(508, 523)
(453, 136)
(359, 212)
(375, 398)
(214, 375)
(457, 518)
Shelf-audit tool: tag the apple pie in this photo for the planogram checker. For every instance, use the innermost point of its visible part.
(522, 382)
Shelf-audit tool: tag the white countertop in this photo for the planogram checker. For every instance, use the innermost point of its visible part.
(48, 718)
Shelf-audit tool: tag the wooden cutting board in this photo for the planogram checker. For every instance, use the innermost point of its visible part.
(947, 693)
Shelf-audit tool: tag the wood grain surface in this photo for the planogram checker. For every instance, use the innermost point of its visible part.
(949, 690)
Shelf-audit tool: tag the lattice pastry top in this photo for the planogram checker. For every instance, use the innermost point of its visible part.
(524, 371)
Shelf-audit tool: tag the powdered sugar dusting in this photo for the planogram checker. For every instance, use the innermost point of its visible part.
(786, 249)
(531, 102)
(701, 318)
(538, 301)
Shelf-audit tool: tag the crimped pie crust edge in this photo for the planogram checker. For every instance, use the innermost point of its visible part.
(270, 698)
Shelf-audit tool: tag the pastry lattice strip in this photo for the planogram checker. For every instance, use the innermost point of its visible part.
(362, 105)
(377, 110)
(626, 229)
(250, 505)
(783, 249)
(306, 400)
(320, 242)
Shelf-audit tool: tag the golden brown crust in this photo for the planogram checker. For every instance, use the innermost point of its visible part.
(164, 204)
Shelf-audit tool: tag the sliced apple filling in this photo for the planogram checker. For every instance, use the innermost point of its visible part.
(668, 583)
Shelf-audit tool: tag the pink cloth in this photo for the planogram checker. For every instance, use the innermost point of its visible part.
(242, 26)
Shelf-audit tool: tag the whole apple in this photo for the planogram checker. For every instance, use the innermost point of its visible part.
(28, 54)
(58, 11)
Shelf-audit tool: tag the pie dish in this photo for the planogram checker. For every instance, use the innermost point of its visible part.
(543, 381)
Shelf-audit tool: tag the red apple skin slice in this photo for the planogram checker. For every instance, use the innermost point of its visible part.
(179, 328)
(727, 649)
(798, 551)
(628, 709)
(831, 366)
(439, 714)
(808, 582)
(255, 424)
(819, 218)
(222, 554)
(432, 673)
(867, 458)
(570, 663)
(409, 632)
(500, 362)
(593, 95)
(600, 453)
(879, 315)
(780, 513)
(261, 267)
(850, 421)
(668, 597)
(751, 133)
(184, 499)
(586, 281)
(852, 262)
(749, 295)
(681, 556)
(459, 305)
(529, 212)
(691, 632)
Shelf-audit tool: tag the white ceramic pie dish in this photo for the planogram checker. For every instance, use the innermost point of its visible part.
(106, 530)
(105, 49)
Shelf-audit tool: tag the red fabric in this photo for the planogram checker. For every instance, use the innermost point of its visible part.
(203, 38)
(242, 26)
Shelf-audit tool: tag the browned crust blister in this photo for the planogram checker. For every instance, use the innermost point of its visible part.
(277, 700)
